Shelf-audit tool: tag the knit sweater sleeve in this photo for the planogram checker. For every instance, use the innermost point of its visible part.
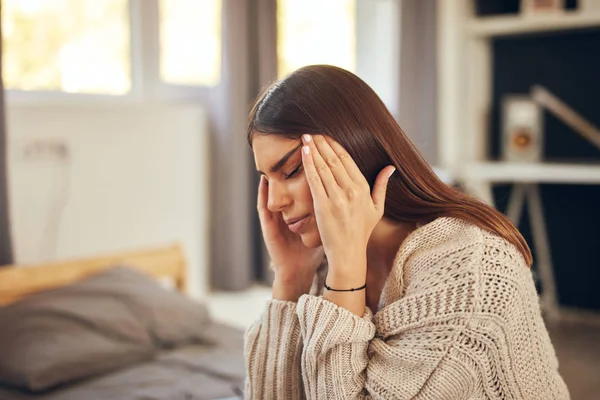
(273, 346)
(402, 352)
(334, 358)
(345, 356)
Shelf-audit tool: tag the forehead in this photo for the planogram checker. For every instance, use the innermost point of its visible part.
(268, 149)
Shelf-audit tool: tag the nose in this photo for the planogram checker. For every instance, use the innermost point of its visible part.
(279, 197)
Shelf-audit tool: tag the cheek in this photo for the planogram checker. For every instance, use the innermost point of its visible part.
(306, 194)
(302, 194)
(311, 238)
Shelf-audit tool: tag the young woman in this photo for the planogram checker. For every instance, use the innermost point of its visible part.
(389, 284)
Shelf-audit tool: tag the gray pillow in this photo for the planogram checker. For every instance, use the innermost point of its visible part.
(110, 320)
(170, 318)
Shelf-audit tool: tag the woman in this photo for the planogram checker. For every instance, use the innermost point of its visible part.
(388, 284)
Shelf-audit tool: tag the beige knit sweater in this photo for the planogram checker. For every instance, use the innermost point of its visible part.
(459, 318)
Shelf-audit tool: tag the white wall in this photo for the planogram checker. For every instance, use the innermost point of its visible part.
(133, 176)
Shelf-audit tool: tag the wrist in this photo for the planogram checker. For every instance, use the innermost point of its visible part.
(351, 258)
(289, 290)
(342, 295)
(349, 269)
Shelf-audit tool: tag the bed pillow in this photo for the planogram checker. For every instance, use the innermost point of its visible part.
(171, 318)
(110, 320)
(61, 336)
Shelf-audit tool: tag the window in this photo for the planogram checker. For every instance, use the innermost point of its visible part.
(190, 42)
(111, 47)
(75, 46)
(316, 32)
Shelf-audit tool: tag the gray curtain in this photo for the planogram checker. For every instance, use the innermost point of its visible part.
(237, 256)
(6, 256)
(418, 77)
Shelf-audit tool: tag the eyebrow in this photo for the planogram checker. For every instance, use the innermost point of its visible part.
(279, 164)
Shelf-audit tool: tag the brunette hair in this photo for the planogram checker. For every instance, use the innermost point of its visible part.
(323, 99)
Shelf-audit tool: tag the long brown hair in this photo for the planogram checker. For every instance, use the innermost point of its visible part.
(323, 99)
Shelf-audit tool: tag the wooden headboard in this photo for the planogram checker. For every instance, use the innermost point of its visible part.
(18, 281)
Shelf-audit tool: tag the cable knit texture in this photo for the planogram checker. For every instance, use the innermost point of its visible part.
(459, 318)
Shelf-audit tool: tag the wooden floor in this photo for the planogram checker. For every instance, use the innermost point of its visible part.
(578, 350)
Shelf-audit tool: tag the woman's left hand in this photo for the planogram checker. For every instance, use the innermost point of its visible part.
(346, 210)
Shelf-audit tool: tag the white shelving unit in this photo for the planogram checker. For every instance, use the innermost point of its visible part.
(464, 75)
(465, 93)
(503, 172)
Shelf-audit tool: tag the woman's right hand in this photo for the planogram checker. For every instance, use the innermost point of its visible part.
(294, 264)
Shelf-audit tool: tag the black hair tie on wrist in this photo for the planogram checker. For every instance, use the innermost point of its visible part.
(344, 290)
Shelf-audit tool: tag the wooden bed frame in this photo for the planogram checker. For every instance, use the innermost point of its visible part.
(17, 281)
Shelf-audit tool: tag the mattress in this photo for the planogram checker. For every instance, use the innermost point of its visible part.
(194, 372)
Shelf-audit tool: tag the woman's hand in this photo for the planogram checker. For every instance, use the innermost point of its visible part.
(346, 212)
(294, 264)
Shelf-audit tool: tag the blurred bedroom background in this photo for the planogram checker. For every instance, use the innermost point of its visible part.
(123, 129)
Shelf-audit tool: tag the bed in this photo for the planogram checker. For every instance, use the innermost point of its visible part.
(108, 328)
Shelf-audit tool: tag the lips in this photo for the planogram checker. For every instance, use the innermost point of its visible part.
(296, 224)
(290, 221)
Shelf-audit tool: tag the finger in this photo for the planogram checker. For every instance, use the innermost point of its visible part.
(328, 181)
(380, 188)
(263, 198)
(351, 168)
(331, 158)
(312, 176)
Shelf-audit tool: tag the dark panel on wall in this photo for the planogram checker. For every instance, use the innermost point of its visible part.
(573, 214)
(567, 64)
(485, 8)
(571, 4)
(574, 234)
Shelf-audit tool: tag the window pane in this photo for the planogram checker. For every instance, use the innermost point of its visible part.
(76, 46)
(190, 41)
(315, 32)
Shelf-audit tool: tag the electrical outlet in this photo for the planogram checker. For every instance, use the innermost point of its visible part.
(47, 149)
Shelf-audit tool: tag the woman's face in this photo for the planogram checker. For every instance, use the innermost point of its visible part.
(279, 159)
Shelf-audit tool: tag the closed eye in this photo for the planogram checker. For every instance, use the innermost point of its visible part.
(293, 173)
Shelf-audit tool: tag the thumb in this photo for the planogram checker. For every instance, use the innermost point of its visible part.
(380, 187)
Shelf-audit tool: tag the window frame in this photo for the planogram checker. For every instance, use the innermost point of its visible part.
(146, 83)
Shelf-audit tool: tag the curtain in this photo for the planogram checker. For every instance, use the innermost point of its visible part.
(418, 77)
(6, 256)
(237, 253)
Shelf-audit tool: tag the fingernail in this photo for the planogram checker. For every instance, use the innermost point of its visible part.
(306, 138)
(306, 149)
(394, 170)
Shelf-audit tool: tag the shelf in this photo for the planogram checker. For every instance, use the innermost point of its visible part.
(514, 25)
(507, 172)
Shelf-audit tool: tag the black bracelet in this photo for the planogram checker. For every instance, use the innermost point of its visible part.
(344, 290)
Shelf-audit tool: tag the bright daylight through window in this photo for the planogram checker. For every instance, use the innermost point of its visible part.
(316, 32)
(74, 46)
(190, 42)
(85, 46)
